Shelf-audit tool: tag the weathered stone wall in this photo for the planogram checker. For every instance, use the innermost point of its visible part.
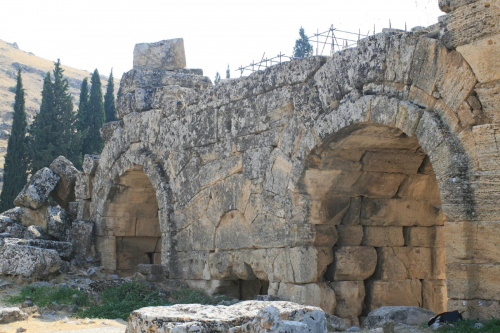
(371, 166)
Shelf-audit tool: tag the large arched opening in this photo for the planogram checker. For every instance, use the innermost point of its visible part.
(131, 214)
(378, 187)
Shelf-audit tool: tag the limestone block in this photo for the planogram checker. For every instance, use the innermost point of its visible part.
(424, 236)
(420, 186)
(233, 232)
(58, 223)
(90, 163)
(393, 293)
(473, 281)
(269, 231)
(64, 249)
(399, 57)
(11, 314)
(191, 265)
(277, 176)
(83, 212)
(81, 237)
(428, 59)
(309, 263)
(434, 295)
(350, 296)
(315, 294)
(352, 263)
(251, 316)
(479, 19)
(166, 54)
(65, 189)
(399, 263)
(392, 212)
(377, 184)
(455, 80)
(35, 232)
(387, 162)
(349, 235)
(37, 191)
(406, 315)
(251, 264)
(221, 264)
(489, 96)
(28, 216)
(383, 236)
(29, 261)
(482, 55)
(477, 309)
(352, 216)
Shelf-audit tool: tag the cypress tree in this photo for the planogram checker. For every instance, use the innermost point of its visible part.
(92, 142)
(16, 163)
(83, 107)
(53, 131)
(302, 46)
(109, 100)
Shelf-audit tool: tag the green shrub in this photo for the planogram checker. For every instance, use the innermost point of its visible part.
(42, 296)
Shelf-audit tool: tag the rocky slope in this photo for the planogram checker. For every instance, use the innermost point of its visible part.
(34, 70)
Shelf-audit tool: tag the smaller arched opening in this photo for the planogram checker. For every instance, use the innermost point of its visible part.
(131, 215)
(377, 186)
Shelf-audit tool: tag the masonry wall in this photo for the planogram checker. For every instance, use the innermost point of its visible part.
(246, 173)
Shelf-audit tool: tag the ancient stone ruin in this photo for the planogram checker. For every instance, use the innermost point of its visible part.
(349, 183)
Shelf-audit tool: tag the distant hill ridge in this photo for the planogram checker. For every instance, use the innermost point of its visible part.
(33, 70)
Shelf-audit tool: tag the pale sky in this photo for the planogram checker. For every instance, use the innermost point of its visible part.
(102, 33)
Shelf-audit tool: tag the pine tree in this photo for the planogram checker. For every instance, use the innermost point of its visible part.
(109, 100)
(16, 162)
(302, 46)
(217, 78)
(53, 131)
(92, 141)
(228, 73)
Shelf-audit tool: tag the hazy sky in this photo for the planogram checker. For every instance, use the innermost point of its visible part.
(102, 33)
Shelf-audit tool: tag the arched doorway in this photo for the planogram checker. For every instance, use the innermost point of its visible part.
(378, 187)
(131, 215)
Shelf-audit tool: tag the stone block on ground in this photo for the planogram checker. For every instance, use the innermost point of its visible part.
(393, 293)
(166, 54)
(316, 294)
(28, 261)
(35, 232)
(27, 216)
(64, 192)
(58, 223)
(37, 191)
(64, 249)
(81, 237)
(248, 316)
(408, 315)
(350, 298)
(11, 314)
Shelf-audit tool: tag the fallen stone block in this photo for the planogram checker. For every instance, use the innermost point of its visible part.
(65, 189)
(248, 316)
(28, 261)
(9, 315)
(64, 249)
(408, 315)
(35, 232)
(37, 191)
(58, 223)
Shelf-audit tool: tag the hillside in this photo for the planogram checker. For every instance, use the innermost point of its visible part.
(34, 70)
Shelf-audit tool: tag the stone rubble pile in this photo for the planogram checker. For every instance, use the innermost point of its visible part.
(39, 240)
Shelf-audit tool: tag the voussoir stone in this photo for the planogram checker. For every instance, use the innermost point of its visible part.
(37, 191)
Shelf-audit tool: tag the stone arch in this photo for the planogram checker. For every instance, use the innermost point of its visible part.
(387, 174)
(138, 184)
